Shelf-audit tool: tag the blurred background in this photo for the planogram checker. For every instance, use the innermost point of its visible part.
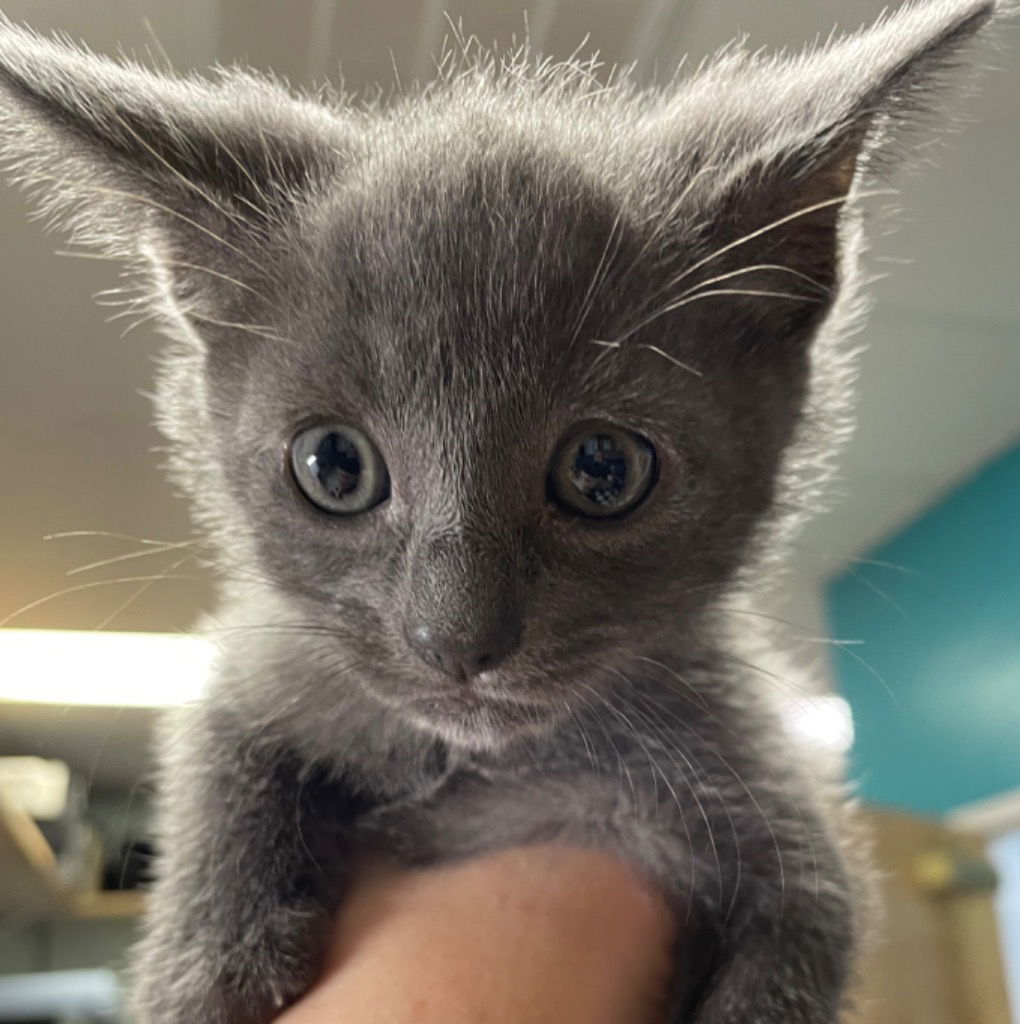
(903, 613)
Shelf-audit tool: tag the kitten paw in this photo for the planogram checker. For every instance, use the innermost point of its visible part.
(246, 982)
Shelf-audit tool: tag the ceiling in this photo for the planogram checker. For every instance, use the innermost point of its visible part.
(939, 384)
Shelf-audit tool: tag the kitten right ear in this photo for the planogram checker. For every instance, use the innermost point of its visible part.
(787, 138)
(108, 148)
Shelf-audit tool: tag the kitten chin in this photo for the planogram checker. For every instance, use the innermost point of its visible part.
(474, 722)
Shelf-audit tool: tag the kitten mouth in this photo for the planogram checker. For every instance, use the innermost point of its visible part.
(469, 700)
(468, 712)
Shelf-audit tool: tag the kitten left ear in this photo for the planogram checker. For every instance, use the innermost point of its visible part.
(108, 147)
(793, 135)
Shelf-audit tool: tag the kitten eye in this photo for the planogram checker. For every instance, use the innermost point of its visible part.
(602, 471)
(339, 469)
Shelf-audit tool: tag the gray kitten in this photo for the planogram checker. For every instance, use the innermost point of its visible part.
(489, 399)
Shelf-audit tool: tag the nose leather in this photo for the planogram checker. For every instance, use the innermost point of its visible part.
(462, 658)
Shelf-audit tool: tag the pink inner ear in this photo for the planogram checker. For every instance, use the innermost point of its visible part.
(833, 178)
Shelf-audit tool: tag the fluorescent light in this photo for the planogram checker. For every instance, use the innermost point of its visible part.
(68, 667)
(824, 721)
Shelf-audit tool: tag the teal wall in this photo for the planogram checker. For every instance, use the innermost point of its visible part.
(935, 684)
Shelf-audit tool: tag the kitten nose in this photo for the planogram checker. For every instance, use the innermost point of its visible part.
(458, 657)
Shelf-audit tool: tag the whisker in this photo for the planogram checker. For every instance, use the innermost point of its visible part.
(209, 270)
(600, 269)
(85, 255)
(753, 268)
(831, 562)
(622, 768)
(582, 733)
(676, 362)
(161, 549)
(140, 591)
(183, 178)
(905, 569)
(669, 214)
(710, 293)
(766, 616)
(739, 779)
(789, 688)
(672, 745)
(86, 586)
(180, 216)
(64, 534)
(756, 268)
(750, 236)
(868, 667)
(778, 223)
(259, 330)
(876, 589)
(692, 691)
(242, 167)
(690, 767)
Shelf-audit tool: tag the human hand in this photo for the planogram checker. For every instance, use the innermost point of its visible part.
(537, 935)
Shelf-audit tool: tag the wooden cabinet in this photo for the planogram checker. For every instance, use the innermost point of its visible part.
(936, 959)
(31, 886)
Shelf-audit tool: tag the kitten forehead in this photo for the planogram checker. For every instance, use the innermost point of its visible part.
(487, 268)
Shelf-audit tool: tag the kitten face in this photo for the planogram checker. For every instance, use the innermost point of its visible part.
(463, 282)
(463, 324)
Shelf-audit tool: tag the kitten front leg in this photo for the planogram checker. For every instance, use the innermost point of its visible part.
(252, 865)
(782, 930)
(768, 942)
(779, 964)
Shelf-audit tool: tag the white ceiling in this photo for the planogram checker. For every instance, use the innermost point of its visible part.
(939, 385)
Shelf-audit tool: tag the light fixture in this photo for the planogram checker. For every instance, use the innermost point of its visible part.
(824, 721)
(70, 667)
(149, 670)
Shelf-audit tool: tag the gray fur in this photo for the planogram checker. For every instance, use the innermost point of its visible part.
(465, 274)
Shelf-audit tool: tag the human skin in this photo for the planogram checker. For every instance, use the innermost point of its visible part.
(537, 935)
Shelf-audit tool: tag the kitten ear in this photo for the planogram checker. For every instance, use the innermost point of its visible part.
(109, 147)
(795, 134)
